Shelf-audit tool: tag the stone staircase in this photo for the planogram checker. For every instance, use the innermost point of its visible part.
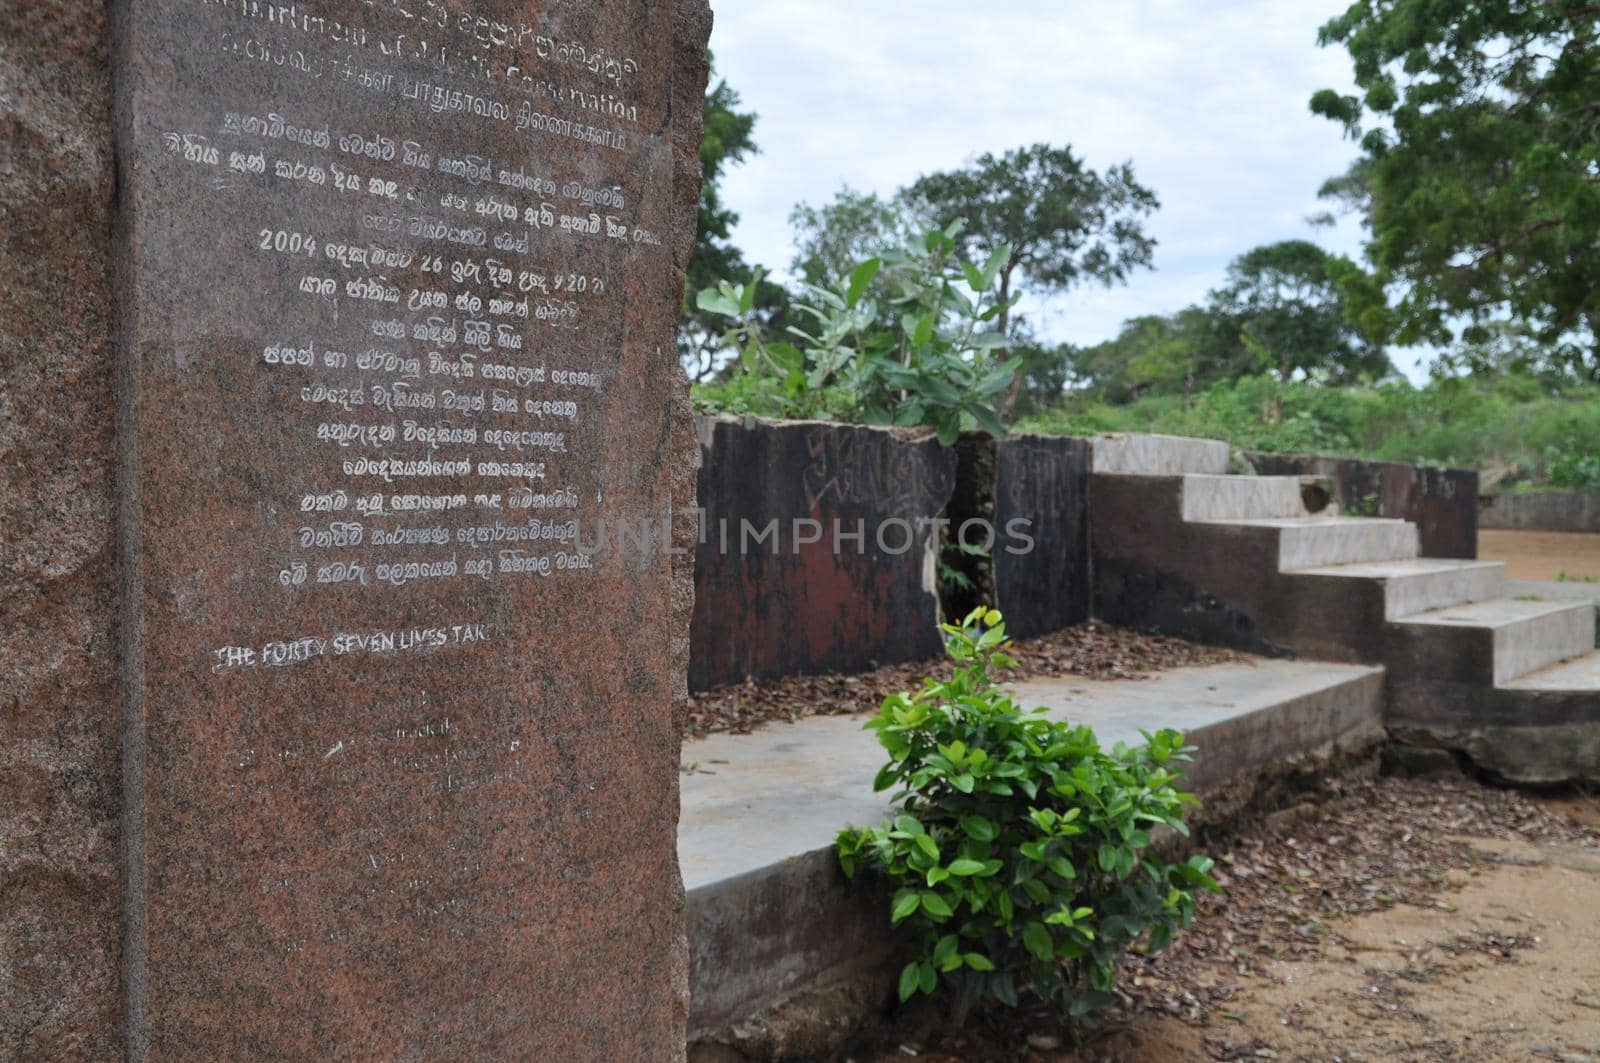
(1181, 546)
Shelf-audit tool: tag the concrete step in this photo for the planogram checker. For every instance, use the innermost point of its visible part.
(1526, 635)
(1421, 584)
(1580, 673)
(1317, 542)
(1214, 498)
(1127, 454)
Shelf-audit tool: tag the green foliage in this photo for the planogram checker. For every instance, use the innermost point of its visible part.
(1571, 469)
(728, 137)
(1019, 850)
(1043, 369)
(1285, 305)
(1290, 308)
(1493, 422)
(1155, 354)
(1480, 139)
(922, 351)
(854, 226)
(1061, 222)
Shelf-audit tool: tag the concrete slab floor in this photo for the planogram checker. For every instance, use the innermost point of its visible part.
(752, 801)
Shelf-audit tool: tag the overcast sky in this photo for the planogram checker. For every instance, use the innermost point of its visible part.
(1208, 98)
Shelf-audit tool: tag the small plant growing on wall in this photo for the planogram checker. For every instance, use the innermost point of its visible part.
(1019, 854)
(907, 338)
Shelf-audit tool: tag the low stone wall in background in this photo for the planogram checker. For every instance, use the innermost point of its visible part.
(1443, 503)
(1553, 511)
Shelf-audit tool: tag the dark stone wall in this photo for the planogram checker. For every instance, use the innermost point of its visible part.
(1551, 511)
(1442, 503)
(775, 605)
(1154, 571)
(1034, 492)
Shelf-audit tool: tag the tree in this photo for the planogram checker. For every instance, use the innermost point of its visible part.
(1479, 125)
(728, 138)
(1064, 222)
(1161, 353)
(1287, 307)
(829, 240)
(1043, 369)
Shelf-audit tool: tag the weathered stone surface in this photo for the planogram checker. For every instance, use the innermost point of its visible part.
(1215, 583)
(860, 593)
(1526, 737)
(397, 310)
(1033, 491)
(1553, 511)
(1442, 503)
(59, 785)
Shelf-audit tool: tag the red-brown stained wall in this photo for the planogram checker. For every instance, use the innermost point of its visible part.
(772, 606)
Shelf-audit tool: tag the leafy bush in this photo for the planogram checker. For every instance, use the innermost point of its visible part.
(1571, 470)
(1019, 849)
(907, 338)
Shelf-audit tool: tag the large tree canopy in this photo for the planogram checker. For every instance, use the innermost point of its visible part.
(728, 138)
(1479, 123)
(1064, 222)
(1284, 307)
(855, 226)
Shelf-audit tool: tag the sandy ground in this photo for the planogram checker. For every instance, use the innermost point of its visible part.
(1506, 968)
(1542, 555)
(1491, 953)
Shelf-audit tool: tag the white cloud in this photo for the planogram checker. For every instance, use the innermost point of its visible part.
(1208, 98)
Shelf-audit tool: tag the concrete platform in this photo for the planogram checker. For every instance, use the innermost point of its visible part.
(1316, 542)
(768, 911)
(1241, 497)
(1550, 590)
(1576, 674)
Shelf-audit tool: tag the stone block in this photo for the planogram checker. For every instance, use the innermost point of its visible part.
(332, 341)
(1028, 497)
(819, 548)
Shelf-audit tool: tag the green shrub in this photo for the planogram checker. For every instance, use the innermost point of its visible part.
(906, 338)
(1019, 850)
(1572, 470)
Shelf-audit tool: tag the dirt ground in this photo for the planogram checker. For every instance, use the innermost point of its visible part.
(1508, 967)
(1468, 931)
(1542, 555)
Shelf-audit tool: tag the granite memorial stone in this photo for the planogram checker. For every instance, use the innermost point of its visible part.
(395, 286)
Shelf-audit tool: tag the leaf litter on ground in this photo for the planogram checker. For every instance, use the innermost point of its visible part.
(1091, 650)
